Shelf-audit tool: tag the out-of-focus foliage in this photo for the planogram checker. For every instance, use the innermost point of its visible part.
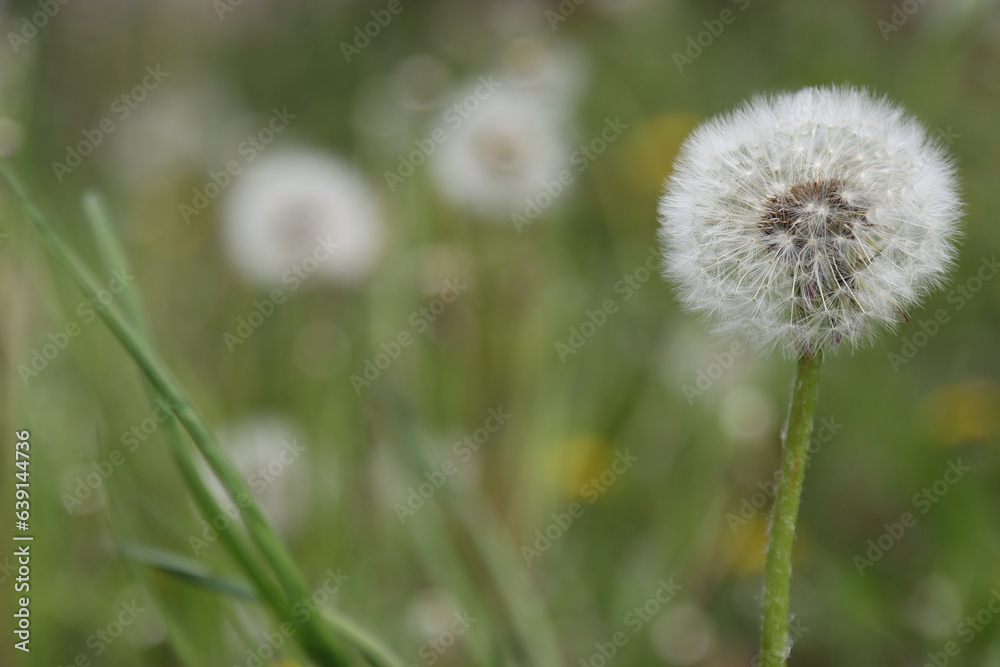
(507, 377)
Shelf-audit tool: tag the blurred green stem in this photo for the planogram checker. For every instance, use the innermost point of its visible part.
(113, 255)
(524, 607)
(774, 646)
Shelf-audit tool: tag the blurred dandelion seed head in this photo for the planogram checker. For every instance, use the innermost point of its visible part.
(508, 143)
(807, 220)
(289, 206)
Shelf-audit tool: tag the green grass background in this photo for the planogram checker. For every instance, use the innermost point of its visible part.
(666, 517)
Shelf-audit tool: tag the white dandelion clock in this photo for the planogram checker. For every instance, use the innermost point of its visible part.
(809, 219)
(805, 221)
(297, 214)
(501, 152)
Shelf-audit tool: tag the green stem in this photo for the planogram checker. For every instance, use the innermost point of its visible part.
(113, 255)
(774, 646)
(525, 609)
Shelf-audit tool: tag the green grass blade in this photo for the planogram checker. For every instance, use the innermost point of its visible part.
(322, 645)
(191, 571)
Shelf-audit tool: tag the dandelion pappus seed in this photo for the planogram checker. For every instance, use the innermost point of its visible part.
(840, 210)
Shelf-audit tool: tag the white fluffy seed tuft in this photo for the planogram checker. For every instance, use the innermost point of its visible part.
(807, 220)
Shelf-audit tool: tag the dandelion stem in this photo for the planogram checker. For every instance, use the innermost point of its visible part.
(774, 647)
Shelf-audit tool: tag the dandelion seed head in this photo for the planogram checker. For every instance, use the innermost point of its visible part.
(503, 148)
(288, 205)
(809, 220)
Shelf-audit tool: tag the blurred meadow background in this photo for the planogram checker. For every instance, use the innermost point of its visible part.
(403, 255)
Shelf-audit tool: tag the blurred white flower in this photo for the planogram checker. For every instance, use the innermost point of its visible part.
(271, 454)
(808, 219)
(502, 153)
(189, 126)
(301, 211)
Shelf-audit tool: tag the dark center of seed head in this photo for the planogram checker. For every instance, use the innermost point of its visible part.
(813, 210)
(818, 228)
